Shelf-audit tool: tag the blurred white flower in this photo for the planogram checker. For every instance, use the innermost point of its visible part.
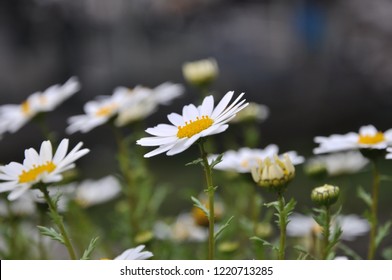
(13, 117)
(143, 101)
(340, 163)
(351, 225)
(23, 206)
(200, 72)
(367, 138)
(245, 159)
(136, 253)
(39, 167)
(253, 112)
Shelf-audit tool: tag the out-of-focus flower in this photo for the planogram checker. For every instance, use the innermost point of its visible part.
(13, 117)
(325, 195)
(367, 138)
(201, 72)
(389, 154)
(183, 229)
(337, 164)
(63, 193)
(352, 226)
(245, 159)
(253, 112)
(23, 206)
(199, 216)
(39, 167)
(136, 253)
(144, 101)
(274, 173)
(92, 192)
(193, 124)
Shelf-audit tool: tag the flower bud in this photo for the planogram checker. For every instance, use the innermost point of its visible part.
(274, 173)
(201, 72)
(252, 112)
(325, 195)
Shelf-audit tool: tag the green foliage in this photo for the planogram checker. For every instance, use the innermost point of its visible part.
(383, 231)
(52, 233)
(199, 205)
(222, 228)
(87, 253)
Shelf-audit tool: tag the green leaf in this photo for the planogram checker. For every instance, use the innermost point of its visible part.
(52, 233)
(349, 252)
(264, 243)
(222, 228)
(303, 253)
(87, 253)
(362, 194)
(199, 205)
(217, 160)
(387, 253)
(196, 161)
(383, 231)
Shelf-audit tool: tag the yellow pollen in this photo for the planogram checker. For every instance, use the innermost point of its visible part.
(106, 110)
(193, 127)
(32, 174)
(371, 139)
(25, 107)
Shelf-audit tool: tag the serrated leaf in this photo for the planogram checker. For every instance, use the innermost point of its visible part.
(217, 160)
(52, 233)
(199, 205)
(264, 243)
(274, 204)
(383, 231)
(366, 197)
(87, 253)
(196, 161)
(222, 228)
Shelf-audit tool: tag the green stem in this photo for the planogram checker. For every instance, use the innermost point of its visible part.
(210, 191)
(327, 232)
(123, 159)
(374, 210)
(59, 222)
(282, 226)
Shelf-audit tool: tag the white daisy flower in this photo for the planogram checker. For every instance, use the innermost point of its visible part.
(13, 117)
(245, 159)
(389, 154)
(92, 192)
(351, 225)
(38, 167)
(135, 254)
(340, 163)
(144, 101)
(193, 124)
(367, 138)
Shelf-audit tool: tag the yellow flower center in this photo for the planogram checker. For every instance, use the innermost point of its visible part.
(32, 174)
(193, 127)
(25, 108)
(371, 139)
(106, 110)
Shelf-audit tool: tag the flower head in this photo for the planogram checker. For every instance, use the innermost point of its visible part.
(39, 167)
(13, 117)
(193, 124)
(244, 159)
(325, 195)
(135, 254)
(274, 173)
(201, 72)
(367, 138)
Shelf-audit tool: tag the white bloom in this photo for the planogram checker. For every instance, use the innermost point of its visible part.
(389, 155)
(351, 225)
(245, 159)
(22, 206)
(135, 254)
(13, 117)
(340, 163)
(193, 124)
(92, 192)
(367, 138)
(200, 72)
(38, 167)
(144, 101)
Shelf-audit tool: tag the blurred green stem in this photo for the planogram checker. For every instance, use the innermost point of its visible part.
(374, 211)
(327, 232)
(211, 192)
(282, 226)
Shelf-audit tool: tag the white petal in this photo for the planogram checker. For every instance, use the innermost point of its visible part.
(61, 151)
(176, 119)
(156, 141)
(46, 151)
(17, 192)
(162, 130)
(207, 106)
(222, 104)
(179, 147)
(159, 150)
(189, 113)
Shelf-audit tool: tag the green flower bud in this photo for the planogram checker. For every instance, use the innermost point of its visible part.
(325, 195)
(201, 72)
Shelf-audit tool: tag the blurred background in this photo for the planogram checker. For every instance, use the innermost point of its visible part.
(321, 67)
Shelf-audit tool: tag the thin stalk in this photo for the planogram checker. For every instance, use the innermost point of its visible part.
(374, 212)
(327, 232)
(282, 226)
(59, 223)
(211, 192)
